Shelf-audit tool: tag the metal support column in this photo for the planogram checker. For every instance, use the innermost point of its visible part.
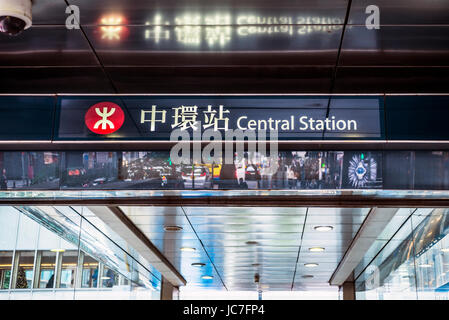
(348, 289)
(168, 291)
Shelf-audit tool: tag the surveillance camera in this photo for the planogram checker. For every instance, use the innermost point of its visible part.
(15, 16)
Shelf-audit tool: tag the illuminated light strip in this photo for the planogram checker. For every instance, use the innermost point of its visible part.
(304, 142)
(90, 264)
(223, 95)
(112, 20)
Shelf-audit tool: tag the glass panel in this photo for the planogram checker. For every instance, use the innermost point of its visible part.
(47, 269)
(112, 235)
(25, 269)
(55, 233)
(89, 272)
(27, 236)
(101, 247)
(123, 281)
(415, 262)
(37, 170)
(66, 227)
(48, 240)
(68, 268)
(9, 218)
(109, 278)
(432, 254)
(145, 194)
(391, 275)
(146, 170)
(5, 269)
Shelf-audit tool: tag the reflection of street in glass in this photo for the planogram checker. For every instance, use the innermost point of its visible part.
(155, 170)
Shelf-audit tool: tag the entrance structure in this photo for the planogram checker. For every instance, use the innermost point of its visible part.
(94, 205)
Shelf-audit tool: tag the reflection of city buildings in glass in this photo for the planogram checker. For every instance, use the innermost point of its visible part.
(414, 265)
(154, 170)
(44, 255)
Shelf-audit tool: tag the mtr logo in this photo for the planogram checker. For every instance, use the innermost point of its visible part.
(104, 118)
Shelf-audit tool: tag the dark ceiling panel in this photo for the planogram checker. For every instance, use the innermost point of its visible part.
(145, 11)
(402, 11)
(271, 47)
(54, 80)
(46, 46)
(221, 80)
(396, 46)
(186, 45)
(392, 80)
(49, 12)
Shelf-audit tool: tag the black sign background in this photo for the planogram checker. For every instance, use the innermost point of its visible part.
(368, 111)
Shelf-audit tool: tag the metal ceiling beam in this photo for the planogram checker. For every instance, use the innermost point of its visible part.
(374, 224)
(294, 145)
(343, 201)
(123, 226)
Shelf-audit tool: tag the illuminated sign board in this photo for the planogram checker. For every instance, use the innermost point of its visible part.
(155, 117)
(297, 117)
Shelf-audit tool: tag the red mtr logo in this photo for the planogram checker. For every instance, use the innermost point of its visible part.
(104, 118)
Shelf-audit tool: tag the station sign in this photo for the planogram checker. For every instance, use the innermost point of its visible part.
(156, 117)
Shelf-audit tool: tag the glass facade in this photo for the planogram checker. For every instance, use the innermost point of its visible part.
(409, 263)
(57, 253)
(287, 170)
(68, 252)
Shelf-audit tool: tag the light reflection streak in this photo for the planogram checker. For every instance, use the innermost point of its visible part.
(112, 27)
(193, 29)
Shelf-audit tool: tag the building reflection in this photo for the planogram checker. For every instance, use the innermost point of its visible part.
(217, 30)
(221, 29)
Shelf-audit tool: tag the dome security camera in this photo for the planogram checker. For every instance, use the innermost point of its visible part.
(15, 16)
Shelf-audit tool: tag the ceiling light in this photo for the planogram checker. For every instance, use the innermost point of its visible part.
(112, 20)
(57, 250)
(187, 249)
(445, 249)
(310, 265)
(252, 243)
(172, 228)
(323, 228)
(198, 264)
(105, 278)
(207, 277)
(316, 249)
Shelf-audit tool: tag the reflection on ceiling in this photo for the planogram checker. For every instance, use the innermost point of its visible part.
(227, 248)
(266, 46)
